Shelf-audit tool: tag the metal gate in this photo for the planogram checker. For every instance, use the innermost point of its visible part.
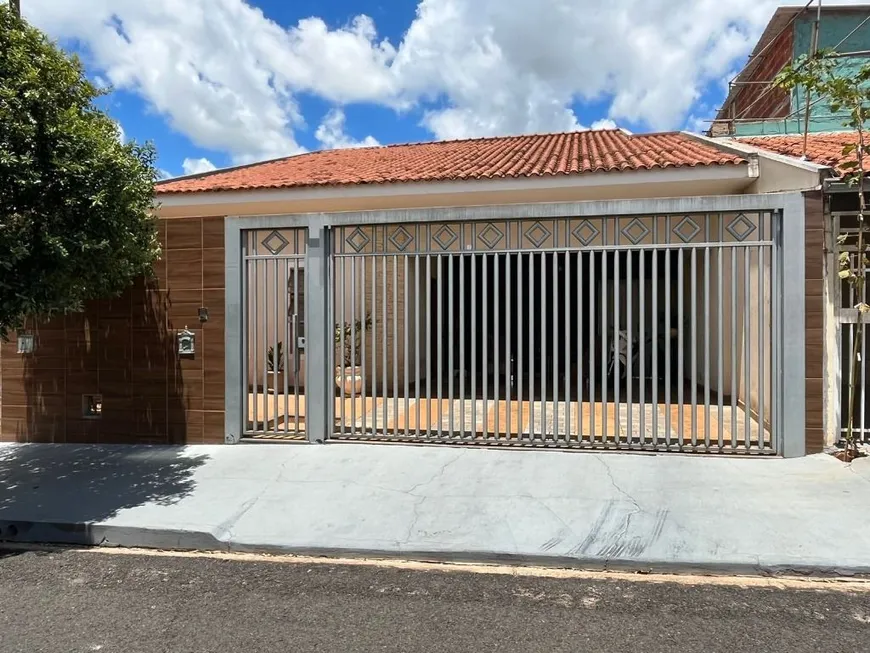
(273, 333)
(647, 332)
(845, 224)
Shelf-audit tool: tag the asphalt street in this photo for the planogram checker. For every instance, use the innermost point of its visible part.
(70, 601)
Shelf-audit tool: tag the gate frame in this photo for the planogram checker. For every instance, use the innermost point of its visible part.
(789, 386)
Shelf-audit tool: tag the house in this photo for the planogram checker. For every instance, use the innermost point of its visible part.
(578, 290)
(830, 301)
(755, 107)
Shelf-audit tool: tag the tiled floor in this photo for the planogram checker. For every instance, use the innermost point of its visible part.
(512, 421)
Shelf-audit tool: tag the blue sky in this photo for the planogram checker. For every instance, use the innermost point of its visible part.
(234, 81)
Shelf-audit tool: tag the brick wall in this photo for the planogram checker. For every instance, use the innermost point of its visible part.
(125, 350)
(815, 338)
(759, 100)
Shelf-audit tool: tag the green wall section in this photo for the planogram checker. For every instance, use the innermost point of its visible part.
(834, 28)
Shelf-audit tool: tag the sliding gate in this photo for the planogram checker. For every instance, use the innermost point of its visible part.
(635, 332)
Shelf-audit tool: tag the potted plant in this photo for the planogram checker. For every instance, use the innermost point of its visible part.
(275, 368)
(348, 375)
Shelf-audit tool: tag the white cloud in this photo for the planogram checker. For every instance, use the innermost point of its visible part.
(331, 135)
(196, 166)
(122, 135)
(604, 123)
(219, 71)
(229, 78)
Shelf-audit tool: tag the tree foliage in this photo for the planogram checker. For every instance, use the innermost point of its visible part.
(76, 204)
(847, 93)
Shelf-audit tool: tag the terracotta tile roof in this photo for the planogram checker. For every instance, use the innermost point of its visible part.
(482, 158)
(823, 149)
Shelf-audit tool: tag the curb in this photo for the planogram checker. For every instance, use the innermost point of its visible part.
(97, 535)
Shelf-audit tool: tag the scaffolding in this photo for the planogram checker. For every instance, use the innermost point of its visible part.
(765, 102)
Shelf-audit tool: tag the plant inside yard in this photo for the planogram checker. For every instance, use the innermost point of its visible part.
(76, 203)
(349, 335)
(275, 358)
(821, 76)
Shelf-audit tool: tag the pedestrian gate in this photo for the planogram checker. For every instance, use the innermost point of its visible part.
(645, 332)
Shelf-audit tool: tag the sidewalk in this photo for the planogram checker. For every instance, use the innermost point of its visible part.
(542, 507)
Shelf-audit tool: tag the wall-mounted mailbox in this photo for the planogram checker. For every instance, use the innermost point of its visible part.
(186, 342)
(26, 343)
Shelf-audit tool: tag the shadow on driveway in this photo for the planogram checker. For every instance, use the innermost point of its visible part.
(67, 487)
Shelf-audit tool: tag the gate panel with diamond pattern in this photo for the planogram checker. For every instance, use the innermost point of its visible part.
(632, 332)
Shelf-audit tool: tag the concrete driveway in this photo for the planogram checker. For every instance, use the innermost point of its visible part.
(542, 507)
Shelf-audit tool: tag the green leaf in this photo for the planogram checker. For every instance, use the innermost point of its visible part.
(845, 274)
(76, 205)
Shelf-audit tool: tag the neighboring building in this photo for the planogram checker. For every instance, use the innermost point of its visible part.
(581, 290)
(755, 107)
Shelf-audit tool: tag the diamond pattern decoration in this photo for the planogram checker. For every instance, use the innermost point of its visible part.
(586, 233)
(537, 234)
(636, 231)
(687, 229)
(741, 227)
(491, 236)
(445, 237)
(275, 243)
(358, 240)
(401, 238)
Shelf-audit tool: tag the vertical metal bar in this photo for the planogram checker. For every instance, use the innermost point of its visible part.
(656, 347)
(290, 338)
(617, 345)
(245, 306)
(440, 337)
(451, 349)
(342, 279)
(274, 329)
(253, 325)
(485, 317)
(520, 337)
(543, 355)
(363, 336)
(605, 341)
(498, 321)
(264, 318)
(555, 356)
(353, 337)
(592, 347)
(387, 390)
(462, 336)
(735, 383)
(762, 310)
(668, 338)
(681, 339)
(707, 410)
(428, 339)
(531, 322)
(417, 296)
(863, 380)
(396, 379)
(642, 339)
(473, 349)
(747, 351)
(374, 312)
(629, 327)
(406, 358)
(720, 254)
(295, 331)
(566, 327)
(509, 347)
(694, 352)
